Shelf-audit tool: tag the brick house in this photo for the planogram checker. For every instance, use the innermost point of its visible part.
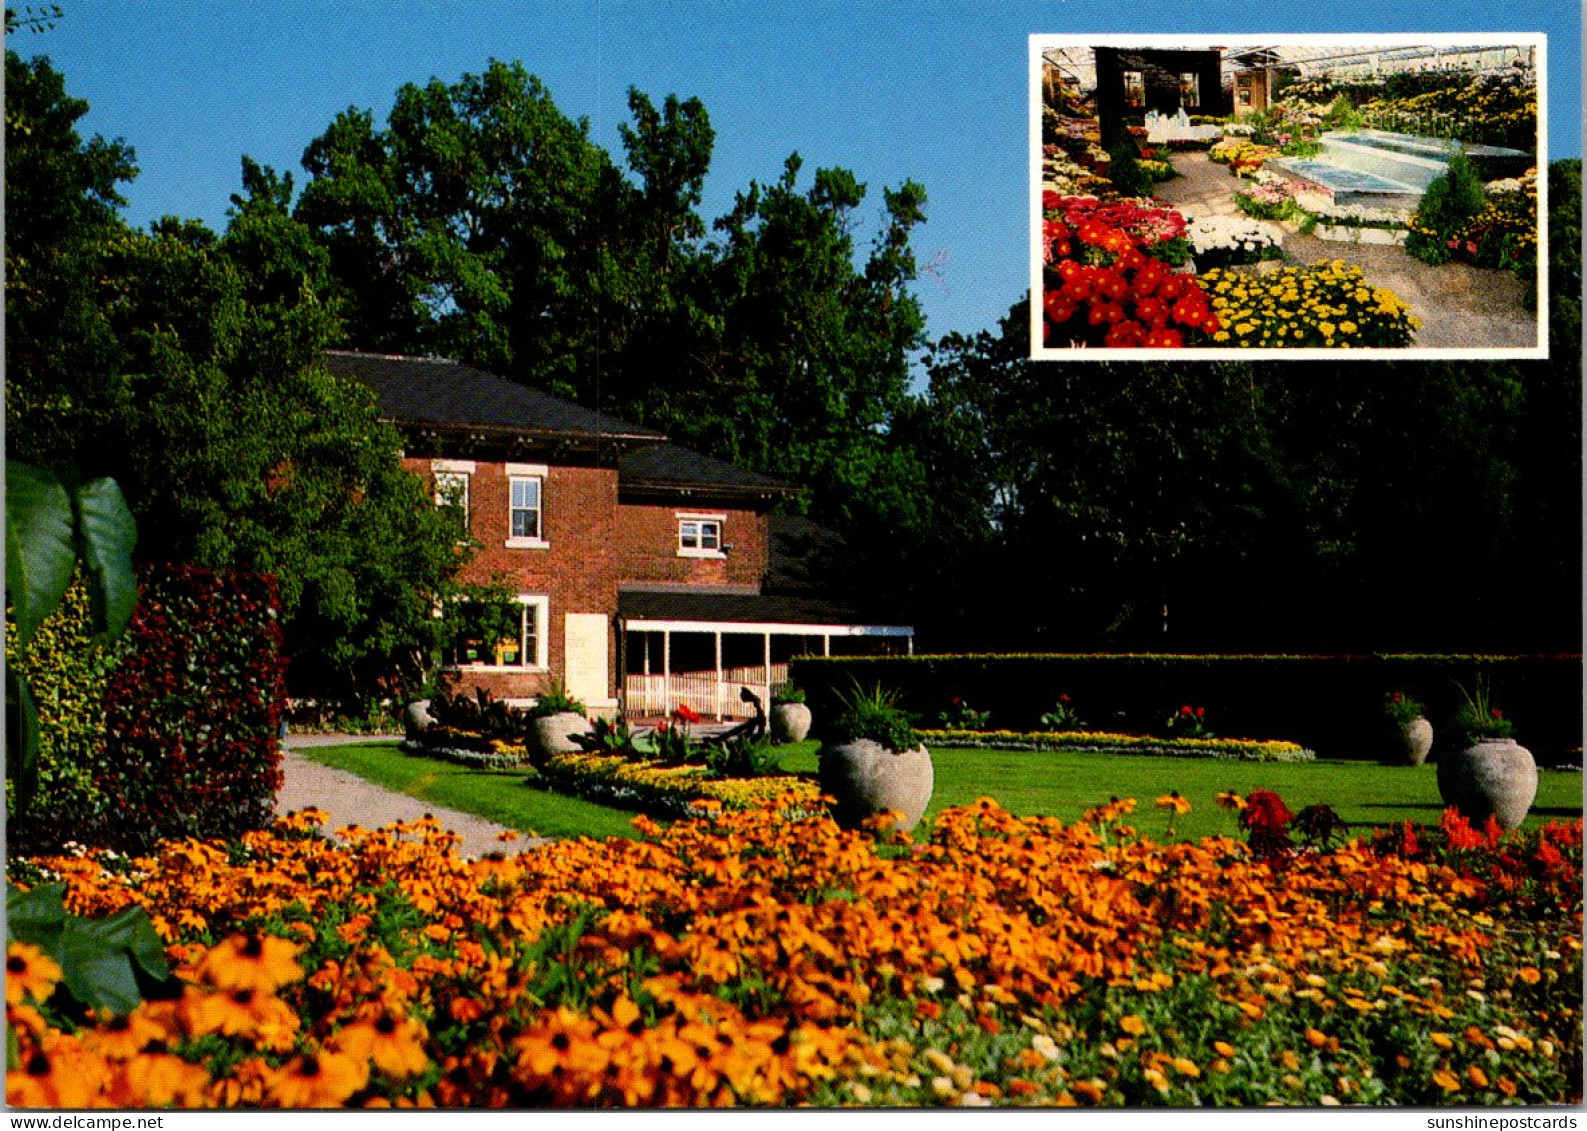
(646, 574)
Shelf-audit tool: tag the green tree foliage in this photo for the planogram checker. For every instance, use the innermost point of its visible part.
(483, 224)
(188, 367)
(1447, 207)
(468, 227)
(1307, 506)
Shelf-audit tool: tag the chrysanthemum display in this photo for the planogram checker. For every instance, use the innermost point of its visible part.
(1224, 241)
(1328, 305)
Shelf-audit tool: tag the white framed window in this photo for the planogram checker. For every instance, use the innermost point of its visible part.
(526, 506)
(451, 489)
(524, 650)
(700, 536)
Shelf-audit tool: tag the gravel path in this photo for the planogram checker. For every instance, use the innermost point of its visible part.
(1460, 306)
(350, 800)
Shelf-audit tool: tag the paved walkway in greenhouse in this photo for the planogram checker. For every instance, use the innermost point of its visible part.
(350, 800)
(1460, 306)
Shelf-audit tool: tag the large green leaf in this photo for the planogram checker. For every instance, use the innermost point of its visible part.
(40, 548)
(97, 974)
(130, 930)
(22, 731)
(38, 909)
(108, 536)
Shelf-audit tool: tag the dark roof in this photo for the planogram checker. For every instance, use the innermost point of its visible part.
(452, 396)
(670, 467)
(734, 608)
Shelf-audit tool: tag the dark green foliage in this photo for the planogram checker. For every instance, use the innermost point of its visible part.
(742, 757)
(108, 964)
(1124, 169)
(1332, 704)
(862, 714)
(557, 701)
(53, 529)
(188, 368)
(1448, 206)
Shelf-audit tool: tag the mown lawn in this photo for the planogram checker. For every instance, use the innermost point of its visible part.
(1025, 783)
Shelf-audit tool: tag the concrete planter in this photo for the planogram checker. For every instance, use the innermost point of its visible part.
(790, 722)
(866, 778)
(1417, 739)
(1345, 234)
(553, 733)
(1495, 777)
(416, 718)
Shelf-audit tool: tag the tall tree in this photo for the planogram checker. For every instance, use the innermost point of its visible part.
(469, 226)
(188, 367)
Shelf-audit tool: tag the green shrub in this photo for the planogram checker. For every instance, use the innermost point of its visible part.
(1124, 170)
(1447, 209)
(67, 672)
(873, 715)
(742, 757)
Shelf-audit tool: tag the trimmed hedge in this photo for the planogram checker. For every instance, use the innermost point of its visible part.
(1332, 704)
(192, 710)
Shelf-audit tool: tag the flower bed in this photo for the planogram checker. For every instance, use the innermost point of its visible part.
(1227, 241)
(1102, 742)
(481, 754)
(766, 961)
(1244, 158)
(672, 791)
(1327, 304)
(1110, 280)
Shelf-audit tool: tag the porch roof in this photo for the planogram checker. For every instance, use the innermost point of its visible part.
(675, 611)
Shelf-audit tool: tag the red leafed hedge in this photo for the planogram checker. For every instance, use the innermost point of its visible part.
(191, 712)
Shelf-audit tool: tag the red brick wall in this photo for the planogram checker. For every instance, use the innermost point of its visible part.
(578, 572)
(647, 542)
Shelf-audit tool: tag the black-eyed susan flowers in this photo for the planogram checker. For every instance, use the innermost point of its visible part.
(760, 958)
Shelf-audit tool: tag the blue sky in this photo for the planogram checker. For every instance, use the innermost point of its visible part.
(933, 91)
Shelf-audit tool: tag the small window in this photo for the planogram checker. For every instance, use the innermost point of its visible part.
(700, 537)
(1134, 88)
(451, 495)
(1189, 90)
(526, 508)
(488, 641)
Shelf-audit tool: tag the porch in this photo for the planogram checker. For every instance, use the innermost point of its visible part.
(732, 642)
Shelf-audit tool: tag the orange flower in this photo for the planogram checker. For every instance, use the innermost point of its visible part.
(328, 1079)
(256, 962)
(1173, 801)
(396, 1045)
(29, 972)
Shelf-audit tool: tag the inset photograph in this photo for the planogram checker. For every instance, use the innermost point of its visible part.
(1293, 197)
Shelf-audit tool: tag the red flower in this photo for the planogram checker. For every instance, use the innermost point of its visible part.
(1266, 811)
(684, 715)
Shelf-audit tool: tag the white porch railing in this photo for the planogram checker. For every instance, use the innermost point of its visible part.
(712, 694)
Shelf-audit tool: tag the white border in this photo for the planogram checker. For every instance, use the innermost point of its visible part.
(1040, 42)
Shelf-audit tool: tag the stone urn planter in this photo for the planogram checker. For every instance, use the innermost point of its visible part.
(790, 722)
(1496, 777)
(416, 718)
(554, 733)
(866, 778)
(1417, 738)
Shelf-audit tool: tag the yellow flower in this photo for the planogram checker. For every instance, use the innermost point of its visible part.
(1132, 1025)
(31, 972)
